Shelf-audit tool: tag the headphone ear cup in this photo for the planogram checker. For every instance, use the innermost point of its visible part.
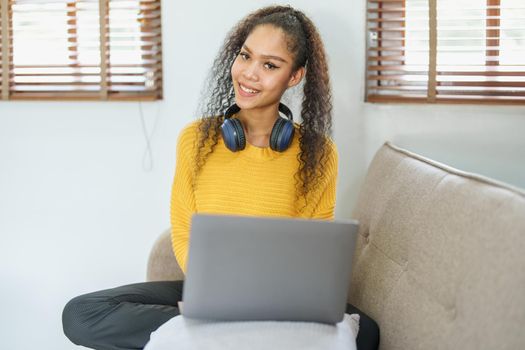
(282, 135)
(233, 134)
(241, 139)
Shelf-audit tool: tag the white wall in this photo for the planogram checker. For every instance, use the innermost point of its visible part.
(79, 212)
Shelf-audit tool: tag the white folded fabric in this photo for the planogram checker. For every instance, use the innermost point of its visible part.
(189, 334)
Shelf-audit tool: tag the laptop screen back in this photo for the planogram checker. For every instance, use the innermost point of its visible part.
(251, 268)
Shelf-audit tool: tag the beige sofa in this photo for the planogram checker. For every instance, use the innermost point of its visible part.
(440, 260)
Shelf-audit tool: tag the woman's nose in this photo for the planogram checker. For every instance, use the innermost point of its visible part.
(250, 72)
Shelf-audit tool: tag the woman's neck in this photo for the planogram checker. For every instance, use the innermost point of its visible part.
(258, 124)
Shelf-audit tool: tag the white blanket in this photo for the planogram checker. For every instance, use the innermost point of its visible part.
(181, 333)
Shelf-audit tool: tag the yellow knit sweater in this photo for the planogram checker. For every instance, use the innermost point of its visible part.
(255, 181)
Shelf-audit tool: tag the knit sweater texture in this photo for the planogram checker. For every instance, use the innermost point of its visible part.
(256, 181)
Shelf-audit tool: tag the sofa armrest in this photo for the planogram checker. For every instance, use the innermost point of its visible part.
(162, 265)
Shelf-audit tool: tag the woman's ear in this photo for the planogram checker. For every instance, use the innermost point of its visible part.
(296, 77)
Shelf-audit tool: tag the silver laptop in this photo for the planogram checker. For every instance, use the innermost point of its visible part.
(282, 269)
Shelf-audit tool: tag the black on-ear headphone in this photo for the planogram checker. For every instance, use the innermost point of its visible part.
(280, 138)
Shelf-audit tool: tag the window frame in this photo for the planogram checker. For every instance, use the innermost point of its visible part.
(148, 51)
(375, 72)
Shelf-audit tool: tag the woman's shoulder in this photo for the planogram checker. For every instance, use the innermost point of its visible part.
(190, 129)
(188, 136)
(331, 152)
(331, 146)
(189, 132)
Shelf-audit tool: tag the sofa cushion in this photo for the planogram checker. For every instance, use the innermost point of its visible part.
(440, 260)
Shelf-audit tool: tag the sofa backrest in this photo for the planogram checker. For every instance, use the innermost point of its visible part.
(440, 259)
(162, 265)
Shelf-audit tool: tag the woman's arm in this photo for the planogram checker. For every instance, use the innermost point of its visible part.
(182, 196)
(325, 206)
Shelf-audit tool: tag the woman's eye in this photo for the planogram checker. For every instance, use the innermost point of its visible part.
(270, 66)
(244, 55)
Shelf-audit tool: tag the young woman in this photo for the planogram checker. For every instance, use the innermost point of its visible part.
(241, 157)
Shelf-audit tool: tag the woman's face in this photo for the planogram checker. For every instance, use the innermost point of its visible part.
(263, 70)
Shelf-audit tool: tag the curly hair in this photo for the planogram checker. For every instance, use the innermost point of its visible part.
(305, 44)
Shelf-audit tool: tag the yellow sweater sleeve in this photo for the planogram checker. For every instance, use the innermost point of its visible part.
(182, 196)
(325, 205)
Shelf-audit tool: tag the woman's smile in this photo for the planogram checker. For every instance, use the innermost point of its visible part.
(246, 91)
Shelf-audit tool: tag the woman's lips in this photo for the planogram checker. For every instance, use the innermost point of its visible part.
(246, 91)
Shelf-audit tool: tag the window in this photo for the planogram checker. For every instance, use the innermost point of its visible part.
(446, 51)
(80, 49)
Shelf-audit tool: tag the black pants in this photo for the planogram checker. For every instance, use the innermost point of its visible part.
(124, 317)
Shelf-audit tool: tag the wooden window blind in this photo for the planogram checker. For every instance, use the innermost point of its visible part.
(81, 49)
(446, 51)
